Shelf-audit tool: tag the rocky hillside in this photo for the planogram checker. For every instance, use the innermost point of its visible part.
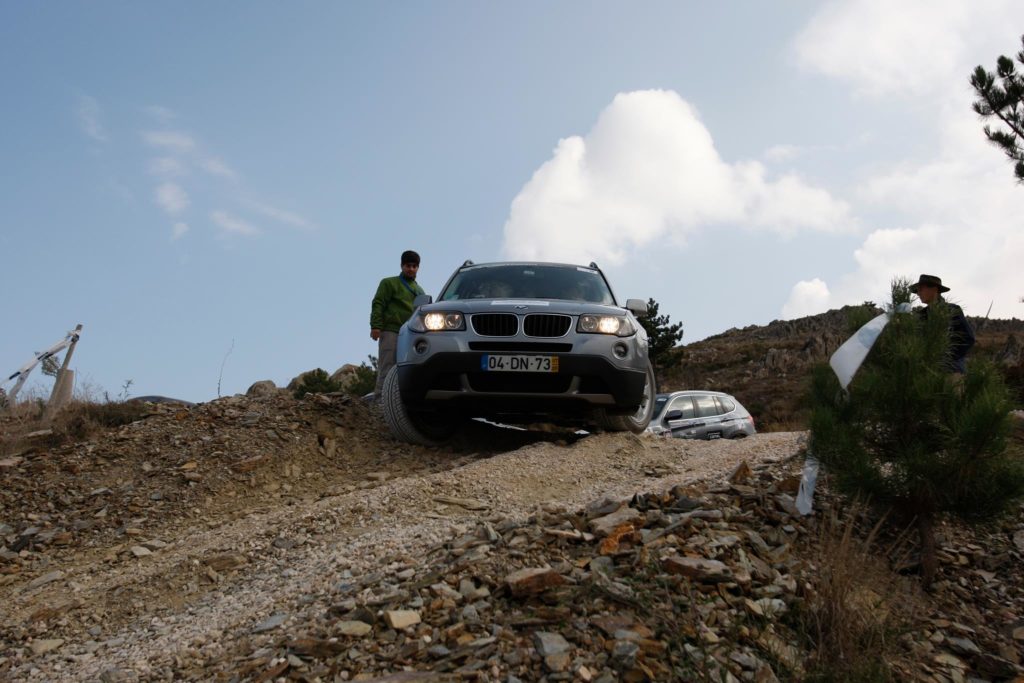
(267, 538)
(767, 366)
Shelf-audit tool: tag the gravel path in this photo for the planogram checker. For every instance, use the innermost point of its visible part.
(210, 586)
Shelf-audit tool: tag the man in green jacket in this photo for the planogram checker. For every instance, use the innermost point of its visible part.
(392, 306)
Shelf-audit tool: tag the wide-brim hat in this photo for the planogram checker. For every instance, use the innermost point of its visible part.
(929, 281)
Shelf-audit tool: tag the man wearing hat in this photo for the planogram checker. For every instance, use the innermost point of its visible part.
(929, 290)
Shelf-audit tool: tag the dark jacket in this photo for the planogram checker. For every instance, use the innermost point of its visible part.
(961, 335)
(392, 304)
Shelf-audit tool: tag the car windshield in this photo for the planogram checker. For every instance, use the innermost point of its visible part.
(529, 281)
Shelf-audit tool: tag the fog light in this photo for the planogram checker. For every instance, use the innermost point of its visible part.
(420, 346)
(621, 350)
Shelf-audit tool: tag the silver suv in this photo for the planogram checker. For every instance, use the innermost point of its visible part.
(520, 343)
(701, 415)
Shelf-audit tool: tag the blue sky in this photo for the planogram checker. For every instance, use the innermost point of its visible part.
(183, 175)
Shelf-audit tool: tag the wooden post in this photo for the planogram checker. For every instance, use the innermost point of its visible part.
(58, 395)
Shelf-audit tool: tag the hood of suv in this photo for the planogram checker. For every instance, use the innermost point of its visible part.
(522, 306)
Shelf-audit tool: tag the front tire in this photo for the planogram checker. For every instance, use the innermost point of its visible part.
(410, 426)
(638, 421)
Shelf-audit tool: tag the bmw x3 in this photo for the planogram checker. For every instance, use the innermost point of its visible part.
(520, 343)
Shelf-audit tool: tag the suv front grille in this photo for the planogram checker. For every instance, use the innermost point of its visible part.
(546, 325)
(495, 324)
(534, 347)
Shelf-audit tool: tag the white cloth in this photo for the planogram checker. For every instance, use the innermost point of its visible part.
(850, 356)
(808, 478)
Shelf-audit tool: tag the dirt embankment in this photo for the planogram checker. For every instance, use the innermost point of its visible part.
(192, 524)
(269, 539)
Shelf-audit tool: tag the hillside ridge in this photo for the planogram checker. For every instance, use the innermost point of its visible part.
(766, 366)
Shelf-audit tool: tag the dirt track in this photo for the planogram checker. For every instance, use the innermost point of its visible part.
(192, 564)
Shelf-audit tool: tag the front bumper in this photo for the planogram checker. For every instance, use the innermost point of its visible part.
(456, 380)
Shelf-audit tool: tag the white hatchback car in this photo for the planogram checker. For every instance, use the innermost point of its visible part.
(701, 415)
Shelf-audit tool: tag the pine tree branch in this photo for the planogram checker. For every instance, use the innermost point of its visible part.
(1017, 128)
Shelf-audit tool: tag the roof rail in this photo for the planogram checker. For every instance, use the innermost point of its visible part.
(468, 263)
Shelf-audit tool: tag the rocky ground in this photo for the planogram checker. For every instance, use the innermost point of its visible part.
(275, 539)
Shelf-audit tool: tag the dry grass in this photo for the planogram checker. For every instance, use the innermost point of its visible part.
(788, 425)
(77, 421)
(857, 606)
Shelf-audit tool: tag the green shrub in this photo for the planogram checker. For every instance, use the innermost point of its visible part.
(365, 378)
(316, 382)
(915, 437)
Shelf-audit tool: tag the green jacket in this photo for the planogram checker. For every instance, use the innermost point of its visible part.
(392, 304)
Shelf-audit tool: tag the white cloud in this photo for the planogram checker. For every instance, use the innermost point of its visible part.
(217, 167)
(160, 113)
(788, 204)
(88, 112)
(167, 166)
(979, 261)
(957, 210)
(170, 139)
(779, 153)
(807, 297)
(233, 225)
(171, 198)
(648, 169)
(914, 47)
(286, 217)
(178, 155)
(963, 224)
(782, 153)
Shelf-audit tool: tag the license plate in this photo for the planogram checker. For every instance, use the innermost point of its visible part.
(508, 363)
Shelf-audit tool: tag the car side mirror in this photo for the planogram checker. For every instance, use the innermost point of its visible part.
(422, 300)
(637, 307)
(674, 415)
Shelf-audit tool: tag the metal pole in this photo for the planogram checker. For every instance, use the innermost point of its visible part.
(56, 395)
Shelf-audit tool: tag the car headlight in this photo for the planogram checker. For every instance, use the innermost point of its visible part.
(606, 324)
(437, 321)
